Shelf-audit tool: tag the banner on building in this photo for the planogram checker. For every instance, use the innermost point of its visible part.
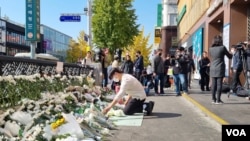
(226, 34)
(157, 36)
(159, 15)
(197, 50)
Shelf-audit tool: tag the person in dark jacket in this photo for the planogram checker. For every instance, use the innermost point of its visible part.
(128, 65)
(217, 67)
(167, 66)
(139, 65)
(204, 71)
(247, 67)
(158, 71)
(180, 71)
(236, 67)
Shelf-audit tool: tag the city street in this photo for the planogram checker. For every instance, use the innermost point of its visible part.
(189, 117)
(173, 119)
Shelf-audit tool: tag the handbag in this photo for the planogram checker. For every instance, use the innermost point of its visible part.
(170, 71)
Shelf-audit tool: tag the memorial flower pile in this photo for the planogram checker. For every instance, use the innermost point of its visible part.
(53, 108)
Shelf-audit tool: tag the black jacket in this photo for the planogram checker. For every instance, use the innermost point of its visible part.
(203, 65)
(158, 65)
(127, 67)
(139, 66)
(181, 64)
(247, 55)
(217, 66)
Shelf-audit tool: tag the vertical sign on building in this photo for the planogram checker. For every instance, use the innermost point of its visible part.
(157, 35)
(159, 15)
(32, 29)
(197, 40)
(226, 35)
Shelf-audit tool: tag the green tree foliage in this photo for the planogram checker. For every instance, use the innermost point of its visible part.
(77, 49)
(140, 43)
(114, 24)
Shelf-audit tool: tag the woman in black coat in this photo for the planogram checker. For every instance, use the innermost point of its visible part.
(128, 65)
(204, 71)
(217, 67)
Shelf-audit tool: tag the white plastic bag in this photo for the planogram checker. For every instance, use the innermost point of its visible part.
(22, 117)
(12, 127)
(6, 132)
(71, 126)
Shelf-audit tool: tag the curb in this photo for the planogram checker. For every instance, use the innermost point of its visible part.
(206, 111)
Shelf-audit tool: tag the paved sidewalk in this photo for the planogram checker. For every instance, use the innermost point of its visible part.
(173, 119)
(189, 117)
(235, 110)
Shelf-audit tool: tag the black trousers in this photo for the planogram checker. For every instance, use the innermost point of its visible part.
(189, 78)
(138, 75)
(216, 88)
(235, 81)
(204, 80)
(134, 106)
(105, 76)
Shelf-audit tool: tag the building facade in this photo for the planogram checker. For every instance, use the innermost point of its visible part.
(200, 20)
(12, 40)
(55, 42)
(169, 27)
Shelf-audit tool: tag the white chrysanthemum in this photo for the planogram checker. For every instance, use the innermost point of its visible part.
(37, 75)
(84, 75)
(105, 131)
(70, 76)
(64, 77)
(58, 76)
(42, 79)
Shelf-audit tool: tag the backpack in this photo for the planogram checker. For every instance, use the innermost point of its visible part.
(241, 92)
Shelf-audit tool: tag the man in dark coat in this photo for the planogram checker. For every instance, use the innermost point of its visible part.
(159, 71)
(236, 67)
(139, 65)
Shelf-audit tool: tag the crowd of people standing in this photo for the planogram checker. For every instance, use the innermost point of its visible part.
(179, 68)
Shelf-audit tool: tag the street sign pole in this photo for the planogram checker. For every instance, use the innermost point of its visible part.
(32, 49)
(90, 22)
(32, 29)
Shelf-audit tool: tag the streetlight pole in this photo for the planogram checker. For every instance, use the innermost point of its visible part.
(88, 12)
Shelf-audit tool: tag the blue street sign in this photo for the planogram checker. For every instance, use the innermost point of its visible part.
(70, 18)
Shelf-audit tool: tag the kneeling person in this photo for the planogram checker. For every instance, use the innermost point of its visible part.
(134, 89)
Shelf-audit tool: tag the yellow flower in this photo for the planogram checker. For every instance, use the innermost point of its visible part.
(62, 120)
(53, 125)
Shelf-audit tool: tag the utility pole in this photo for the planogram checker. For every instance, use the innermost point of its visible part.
(88, 12)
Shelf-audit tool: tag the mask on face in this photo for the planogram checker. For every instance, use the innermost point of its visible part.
(116, 80)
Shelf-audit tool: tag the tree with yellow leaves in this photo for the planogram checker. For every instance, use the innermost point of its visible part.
(77, 49)
(141, 44)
